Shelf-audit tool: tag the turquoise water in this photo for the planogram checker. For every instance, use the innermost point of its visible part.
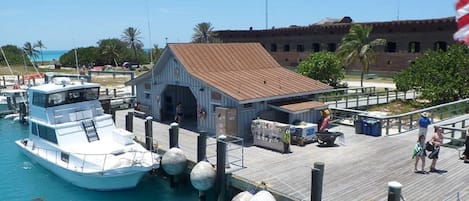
(22, 180)
(50, 55)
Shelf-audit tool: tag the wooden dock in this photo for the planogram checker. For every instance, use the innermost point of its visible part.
(358, 170)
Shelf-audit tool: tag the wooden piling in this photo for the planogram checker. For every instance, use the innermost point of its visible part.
(201, 146)
(220, 174)
(4, 82)
(174, 135)
(129, 121)
(317, 175)
(149, 133)
(394, 191)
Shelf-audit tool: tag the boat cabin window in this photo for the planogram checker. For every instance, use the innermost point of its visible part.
(65, 97)
(44, 132)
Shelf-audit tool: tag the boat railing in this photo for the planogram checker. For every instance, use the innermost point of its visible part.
(86, 163)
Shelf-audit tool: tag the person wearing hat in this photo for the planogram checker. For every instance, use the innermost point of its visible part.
(423, 124)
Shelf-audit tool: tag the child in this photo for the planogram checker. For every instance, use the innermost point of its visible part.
(420, 153)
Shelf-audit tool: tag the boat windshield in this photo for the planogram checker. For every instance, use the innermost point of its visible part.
(65, 97)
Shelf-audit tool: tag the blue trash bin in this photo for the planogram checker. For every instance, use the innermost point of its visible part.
(367, 127)
(372, 127)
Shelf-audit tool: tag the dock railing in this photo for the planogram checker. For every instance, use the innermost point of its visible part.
(396, 124)
(234, 151)
(363, 96)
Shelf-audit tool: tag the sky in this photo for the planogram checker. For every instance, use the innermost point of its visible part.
(65, 24)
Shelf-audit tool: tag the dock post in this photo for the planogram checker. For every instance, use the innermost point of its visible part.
(201, 145)
(107, 92)
(149, 133)
(173, 142)
(201, 155)
(115, 92)
(174, 135)
(4, 82)
(22, 112)
(129, 122)
(394, 191)
(317, 174)
(221, 160)
(19, 80)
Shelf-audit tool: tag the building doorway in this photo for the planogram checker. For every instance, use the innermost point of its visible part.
(172, 96)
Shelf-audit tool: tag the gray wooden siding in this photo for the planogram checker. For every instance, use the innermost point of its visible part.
(164, 75)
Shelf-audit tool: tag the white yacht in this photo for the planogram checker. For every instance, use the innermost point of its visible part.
(71, 136)
(16, 97)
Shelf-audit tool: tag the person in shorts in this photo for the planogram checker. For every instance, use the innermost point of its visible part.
(423, 123)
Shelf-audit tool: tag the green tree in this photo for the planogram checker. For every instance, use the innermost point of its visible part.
(132, 38)
(13, 54)
(203, 33)
(156, 52)
(30, 51)
(325, 67)
(440, 76)
(86, 56)
(40, 45)
(357, 45)
(111, 52)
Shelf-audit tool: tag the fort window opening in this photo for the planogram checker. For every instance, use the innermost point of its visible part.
(414, 47)
(391, 47)
(316, 47)
(273, 47)
(331, 47)
(286, 48)
(300, 48)
(440, 45)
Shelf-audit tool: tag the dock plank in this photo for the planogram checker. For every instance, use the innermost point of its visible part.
(358, 170)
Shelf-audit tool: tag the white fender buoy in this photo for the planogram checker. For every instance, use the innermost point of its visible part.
(203, 176)
(243, 196)
(263, 195)
(174, 161)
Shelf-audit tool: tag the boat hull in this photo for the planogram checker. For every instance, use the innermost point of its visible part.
(117, 179)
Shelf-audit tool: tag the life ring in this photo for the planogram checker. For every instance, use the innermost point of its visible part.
(201, 112)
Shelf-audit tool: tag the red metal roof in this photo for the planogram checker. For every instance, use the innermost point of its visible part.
(243, 71)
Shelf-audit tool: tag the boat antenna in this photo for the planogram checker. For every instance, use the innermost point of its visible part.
(149, 34)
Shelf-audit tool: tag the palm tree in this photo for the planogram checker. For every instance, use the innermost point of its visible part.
(156, 52)
(132, 38)
(203, 33)
(357, 45)
(111, 52)
(29, 50)
(40, 45)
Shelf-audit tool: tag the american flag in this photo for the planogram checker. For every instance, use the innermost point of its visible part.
(462, 18)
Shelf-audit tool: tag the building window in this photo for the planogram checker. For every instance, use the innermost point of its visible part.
(316, 47)
(147, 95)
(216, 96)
(331, 47)
(273, 47)
(300, 48)
(440, 45)
(247, 105)
(286, 48)
(147, 86)
(414, 47)
(391, 47)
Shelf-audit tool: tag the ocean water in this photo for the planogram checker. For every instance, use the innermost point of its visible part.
(50, 55)
(23, 180)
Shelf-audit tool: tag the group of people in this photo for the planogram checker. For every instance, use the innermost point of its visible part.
(432, 145)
